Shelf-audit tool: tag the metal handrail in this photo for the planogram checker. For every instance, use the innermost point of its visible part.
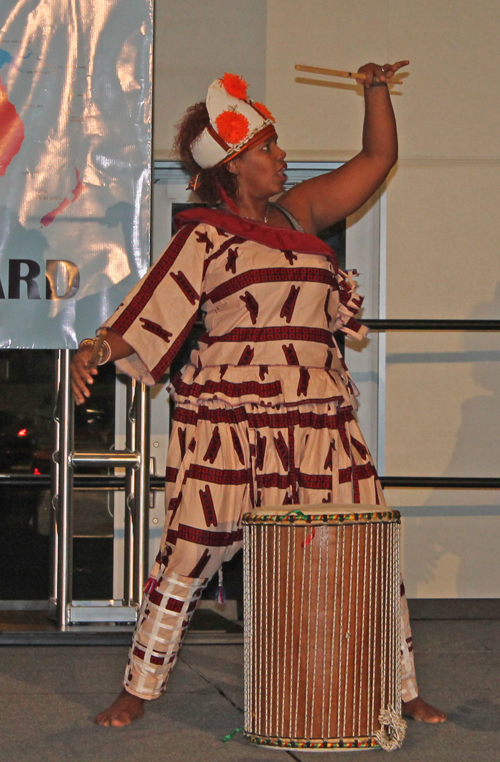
(157, 483)
(396, 324)
(135, 458)
(436, 482)
(115, 459)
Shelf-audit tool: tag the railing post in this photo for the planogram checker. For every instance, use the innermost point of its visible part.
(54, 491)
(64, 497)
(141, 491)
(130, 480)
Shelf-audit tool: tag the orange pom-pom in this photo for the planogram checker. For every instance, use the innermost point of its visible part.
(235, 85)
(263, 111)
(232, 127)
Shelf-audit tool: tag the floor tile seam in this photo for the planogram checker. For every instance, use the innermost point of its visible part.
(288, 753)
(209, 681)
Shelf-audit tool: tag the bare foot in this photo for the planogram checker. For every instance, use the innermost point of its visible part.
(418, 709)
(123, 711)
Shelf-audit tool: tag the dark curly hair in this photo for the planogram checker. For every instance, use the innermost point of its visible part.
(189, 128)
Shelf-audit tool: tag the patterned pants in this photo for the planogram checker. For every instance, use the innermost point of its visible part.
(222, 462)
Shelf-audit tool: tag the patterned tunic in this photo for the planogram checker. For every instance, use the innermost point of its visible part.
(264, 412)
(264, 407)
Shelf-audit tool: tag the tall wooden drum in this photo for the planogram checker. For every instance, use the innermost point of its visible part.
(322, 627)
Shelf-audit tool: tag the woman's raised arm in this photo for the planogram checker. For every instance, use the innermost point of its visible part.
(331, 197)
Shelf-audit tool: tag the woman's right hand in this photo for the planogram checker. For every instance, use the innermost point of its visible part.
(82, 374)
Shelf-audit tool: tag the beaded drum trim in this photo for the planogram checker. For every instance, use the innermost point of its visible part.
(364, 742)
(298, 518)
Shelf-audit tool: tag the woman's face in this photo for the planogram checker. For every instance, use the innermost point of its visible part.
(260, 170)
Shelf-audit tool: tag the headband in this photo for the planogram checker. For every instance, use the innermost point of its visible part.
(236, 123)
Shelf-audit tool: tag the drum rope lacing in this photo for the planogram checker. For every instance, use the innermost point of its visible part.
(324, 544)
(384, 699)
(355, 644)
(309, 593)
(391, 734)
(351, 627)
(247, 661)
(363, 619)
(341, 554)
(393, 628)
(275, 621)
(370, 667)
(378, 596)
(393, 728)
(301, 625)
(285, 644)
(293, 640)
(334, 625)
(265, 556)
(382, 581)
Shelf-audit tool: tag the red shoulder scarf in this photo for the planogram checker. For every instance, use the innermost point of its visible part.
(275, 238)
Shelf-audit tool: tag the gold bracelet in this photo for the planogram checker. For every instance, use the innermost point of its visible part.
(104, 353)
(104, 350)
(86, 343)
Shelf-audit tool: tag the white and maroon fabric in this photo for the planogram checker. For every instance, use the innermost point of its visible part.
(265, 407)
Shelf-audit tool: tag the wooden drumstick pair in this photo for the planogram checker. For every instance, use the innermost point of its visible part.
(345, 74)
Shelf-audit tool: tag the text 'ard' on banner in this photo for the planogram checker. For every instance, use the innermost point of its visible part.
(75, 165)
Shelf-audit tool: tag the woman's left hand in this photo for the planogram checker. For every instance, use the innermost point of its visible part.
(381, 73)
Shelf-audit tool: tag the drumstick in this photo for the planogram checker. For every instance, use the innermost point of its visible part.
(94, 357)
(336, 73)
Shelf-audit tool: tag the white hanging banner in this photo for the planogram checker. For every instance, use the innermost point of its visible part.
(75, 164)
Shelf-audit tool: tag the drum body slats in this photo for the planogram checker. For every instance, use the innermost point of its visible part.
(322, 625)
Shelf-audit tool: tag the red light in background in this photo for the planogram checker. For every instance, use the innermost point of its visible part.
(22, 432)
(37, 472)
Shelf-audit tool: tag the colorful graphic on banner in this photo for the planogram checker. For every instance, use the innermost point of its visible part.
(75, 157)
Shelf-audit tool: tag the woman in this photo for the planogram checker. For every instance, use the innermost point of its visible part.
(265, 405)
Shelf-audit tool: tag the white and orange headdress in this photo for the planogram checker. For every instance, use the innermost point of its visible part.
(236, 123)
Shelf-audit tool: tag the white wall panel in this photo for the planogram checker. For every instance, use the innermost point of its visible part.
(196, 42)
(443, 390)
(321, 121)
(442, 248)
(450, 108)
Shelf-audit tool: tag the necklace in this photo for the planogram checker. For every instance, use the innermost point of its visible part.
(236, 210)
(254, 219)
